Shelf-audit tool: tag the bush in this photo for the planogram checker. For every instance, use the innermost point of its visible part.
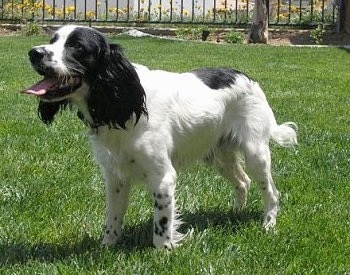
(318, 34)
(234, 37)
(189, 33)
(31, 28)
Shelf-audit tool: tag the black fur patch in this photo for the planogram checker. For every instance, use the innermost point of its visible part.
(116, 94)
(157, 231)
(217, 78)
(156, 205)
(48, 110)
(163, 222)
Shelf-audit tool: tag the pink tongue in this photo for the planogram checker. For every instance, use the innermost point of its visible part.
(41, 87)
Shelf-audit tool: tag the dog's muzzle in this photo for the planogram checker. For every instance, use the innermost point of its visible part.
(53, 85)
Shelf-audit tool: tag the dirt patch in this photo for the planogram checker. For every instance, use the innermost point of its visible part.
(7, 32)
(302, 37)
(294, 37)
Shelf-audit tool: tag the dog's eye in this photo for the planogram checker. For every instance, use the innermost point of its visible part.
(77, 45)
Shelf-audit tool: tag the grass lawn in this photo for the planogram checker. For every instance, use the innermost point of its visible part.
(52, 194)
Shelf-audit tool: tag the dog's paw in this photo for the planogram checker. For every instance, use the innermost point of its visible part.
(239, 205)
(269, 222)
(167, 245)
(110, 238)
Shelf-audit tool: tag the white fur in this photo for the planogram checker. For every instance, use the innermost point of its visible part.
(188, 121)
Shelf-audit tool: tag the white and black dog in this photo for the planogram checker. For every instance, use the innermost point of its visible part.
(145, 124)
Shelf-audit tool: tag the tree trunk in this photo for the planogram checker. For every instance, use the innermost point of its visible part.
(258, 32)
(347, 16)
(344, 16)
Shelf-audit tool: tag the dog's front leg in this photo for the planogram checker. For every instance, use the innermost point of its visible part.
(165, 223)
(117, 197)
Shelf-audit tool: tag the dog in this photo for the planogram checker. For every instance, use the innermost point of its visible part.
(146, 124)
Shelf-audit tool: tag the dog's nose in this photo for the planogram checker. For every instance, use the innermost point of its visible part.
(36, 55)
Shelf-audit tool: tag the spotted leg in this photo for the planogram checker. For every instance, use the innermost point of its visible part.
(117, 194)
(165, 221)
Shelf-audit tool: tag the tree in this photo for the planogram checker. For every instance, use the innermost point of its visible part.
(344, 16)
(258, 32)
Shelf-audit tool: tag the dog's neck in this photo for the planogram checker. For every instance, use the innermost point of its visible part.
(80, 101)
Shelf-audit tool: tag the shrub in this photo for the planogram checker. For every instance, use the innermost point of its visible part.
(31, 28)
(318, 34)
(189, 33)
(234, 37)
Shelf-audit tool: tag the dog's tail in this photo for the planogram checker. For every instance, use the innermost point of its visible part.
(285, 134)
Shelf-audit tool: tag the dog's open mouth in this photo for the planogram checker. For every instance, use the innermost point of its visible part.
(53, 87)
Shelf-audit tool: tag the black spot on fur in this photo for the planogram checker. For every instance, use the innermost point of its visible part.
(157, 231)
(156, 205)
(160, 205)
(217, 78)
(163, 223)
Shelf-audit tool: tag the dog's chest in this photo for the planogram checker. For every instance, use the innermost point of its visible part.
(117, 158)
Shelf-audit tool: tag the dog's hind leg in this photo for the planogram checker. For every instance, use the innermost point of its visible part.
(228, 163)
(258, 161)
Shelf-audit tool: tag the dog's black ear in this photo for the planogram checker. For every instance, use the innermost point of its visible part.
(48, 110)
(116, 93)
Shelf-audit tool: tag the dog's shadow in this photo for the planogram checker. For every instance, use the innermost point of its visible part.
(134, 238)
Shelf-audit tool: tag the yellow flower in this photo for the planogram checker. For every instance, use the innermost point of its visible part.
(294, 9)
(49, 10)
(113, 10)
(59, 13)
(70, 9)
(223, 9)
(90, 15)
(282, 16)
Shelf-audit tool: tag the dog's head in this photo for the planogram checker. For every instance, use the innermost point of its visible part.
(79, 64)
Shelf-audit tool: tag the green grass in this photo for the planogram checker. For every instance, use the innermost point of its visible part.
(52, 195)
